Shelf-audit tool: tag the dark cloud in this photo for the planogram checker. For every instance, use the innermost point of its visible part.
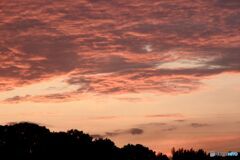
(23, 25)
(136, 131)
(131, 131)
(60, 53)
(232, 4)
(118, 64)
(199, 125)
(233, 20)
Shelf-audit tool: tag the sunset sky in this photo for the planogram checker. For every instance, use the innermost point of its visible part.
(163, 73)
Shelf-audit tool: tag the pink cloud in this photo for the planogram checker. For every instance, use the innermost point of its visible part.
(119, 46)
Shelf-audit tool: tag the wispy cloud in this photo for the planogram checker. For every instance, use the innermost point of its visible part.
(180, 120)
(176, 115)
(105, 117)
(169, 129)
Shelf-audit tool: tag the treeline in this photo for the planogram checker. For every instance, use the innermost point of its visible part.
(28, 141)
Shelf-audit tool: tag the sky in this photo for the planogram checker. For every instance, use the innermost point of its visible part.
(156, 72)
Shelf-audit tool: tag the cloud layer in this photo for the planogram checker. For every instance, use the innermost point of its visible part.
(116, 47)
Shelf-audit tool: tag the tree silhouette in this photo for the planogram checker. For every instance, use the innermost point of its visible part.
(137, 152)
(191, 154)
(105, 149)
(161, 156)
(28, 141)
(21, 141)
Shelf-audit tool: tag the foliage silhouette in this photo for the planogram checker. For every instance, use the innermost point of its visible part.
(28, 141)
(191, 154)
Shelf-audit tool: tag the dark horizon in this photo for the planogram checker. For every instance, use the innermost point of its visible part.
(31, 141)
